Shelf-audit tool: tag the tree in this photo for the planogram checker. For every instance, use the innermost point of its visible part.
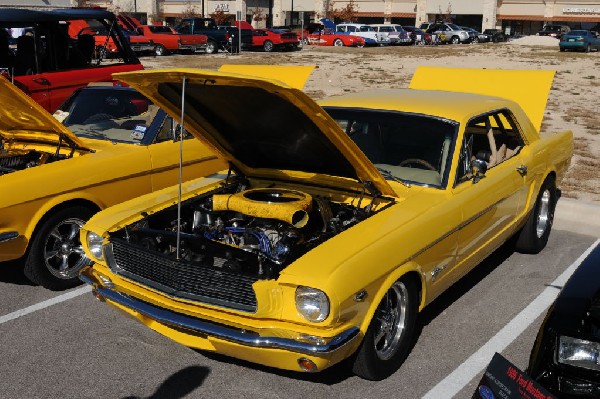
(220, 17)
(345, 14)
(444, 16)
(190, 11)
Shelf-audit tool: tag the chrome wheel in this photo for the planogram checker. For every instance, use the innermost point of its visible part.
(211, 47)
(338, 43)
(391, 321)
(543, 216)
(160, 50)
(63, 252)
(268, 46)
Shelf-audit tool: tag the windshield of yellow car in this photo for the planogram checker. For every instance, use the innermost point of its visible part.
(108, 113)
(413, 148)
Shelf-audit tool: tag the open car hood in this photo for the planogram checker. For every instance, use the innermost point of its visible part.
(292, 75)
(263, 127)
(529, 89)
(23, 118)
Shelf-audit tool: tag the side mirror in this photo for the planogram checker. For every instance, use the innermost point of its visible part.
(478, 169)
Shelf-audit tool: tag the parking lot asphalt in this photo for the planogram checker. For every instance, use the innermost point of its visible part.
(81, 348)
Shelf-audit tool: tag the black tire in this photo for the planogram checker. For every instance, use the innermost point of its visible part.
(160, 50)
(268, 46)
(588, 48)
(454, 40)
(211, 47)
(338, 43)
(56, 246)
(562, 49)
(377, 358)
(533, 236)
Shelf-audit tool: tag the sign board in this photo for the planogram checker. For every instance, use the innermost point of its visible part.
(502, 379)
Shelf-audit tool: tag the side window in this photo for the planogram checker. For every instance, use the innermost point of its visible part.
(169, 131)
(493, 138)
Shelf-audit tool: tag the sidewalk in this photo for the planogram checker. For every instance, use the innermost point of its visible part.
(577, 216)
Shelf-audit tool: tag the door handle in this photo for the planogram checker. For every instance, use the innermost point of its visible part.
(42, 81)
(522, 170)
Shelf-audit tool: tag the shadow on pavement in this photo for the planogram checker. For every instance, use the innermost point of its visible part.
(330, 376)
(11, 272)
(465, 284)
(179, 384)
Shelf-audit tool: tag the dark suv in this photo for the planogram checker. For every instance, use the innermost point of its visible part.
(554, 30)
(495, 35)
(51, 56)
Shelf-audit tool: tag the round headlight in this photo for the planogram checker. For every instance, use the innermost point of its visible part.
(312, 304)
(94, 244)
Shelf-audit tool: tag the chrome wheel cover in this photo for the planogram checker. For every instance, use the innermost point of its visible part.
(543, 216)
(390, 321)
(63, 252)
(338, 43)
(210, 47)
(268, 46)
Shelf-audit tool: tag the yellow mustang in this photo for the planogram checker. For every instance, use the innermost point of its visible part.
(336, 223)
(53, 178)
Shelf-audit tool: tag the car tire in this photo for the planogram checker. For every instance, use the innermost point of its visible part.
(55, 255)
(562, 49)
(454, 40)
(268, 46)
(533, 236)
(160, 50)
(211, 47)
(338, 43)
(475, 40)
(588, 48)
(389, 336)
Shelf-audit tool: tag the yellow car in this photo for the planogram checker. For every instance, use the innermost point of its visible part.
(53, 178)
(337, 223)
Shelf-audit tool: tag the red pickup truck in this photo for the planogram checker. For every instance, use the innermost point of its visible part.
(167, 40)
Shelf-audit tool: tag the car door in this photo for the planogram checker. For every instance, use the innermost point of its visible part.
(490, 203)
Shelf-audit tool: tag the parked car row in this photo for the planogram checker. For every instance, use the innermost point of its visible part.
(327, 33)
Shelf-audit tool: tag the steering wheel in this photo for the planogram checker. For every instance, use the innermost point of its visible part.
(417, 161)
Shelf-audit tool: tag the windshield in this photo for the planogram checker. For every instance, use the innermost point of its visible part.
(411, 147)
(109, 113)
(578, 33)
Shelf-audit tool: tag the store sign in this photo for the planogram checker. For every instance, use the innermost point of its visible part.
(222, 7)
(581, 10)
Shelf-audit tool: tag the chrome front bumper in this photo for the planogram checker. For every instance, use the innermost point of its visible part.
(219, 331)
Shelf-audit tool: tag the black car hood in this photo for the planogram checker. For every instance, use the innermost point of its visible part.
(576, 311)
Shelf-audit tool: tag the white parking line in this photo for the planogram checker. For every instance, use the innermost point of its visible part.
(478, 361)
(44, 304)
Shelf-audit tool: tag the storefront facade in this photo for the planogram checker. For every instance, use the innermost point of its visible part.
(513, 16)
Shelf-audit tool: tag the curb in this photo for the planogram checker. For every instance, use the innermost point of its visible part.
(577, 217)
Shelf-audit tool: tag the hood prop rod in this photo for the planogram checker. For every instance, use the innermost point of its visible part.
(181, 134)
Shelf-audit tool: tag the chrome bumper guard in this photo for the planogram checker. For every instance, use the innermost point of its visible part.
(217, 331)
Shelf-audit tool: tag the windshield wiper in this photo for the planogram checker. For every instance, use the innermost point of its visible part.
(389, 176)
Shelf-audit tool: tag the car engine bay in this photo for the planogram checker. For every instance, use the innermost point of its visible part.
(14, 160)
(251, 231)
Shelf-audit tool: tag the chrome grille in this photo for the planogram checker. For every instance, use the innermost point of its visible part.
(182, 279)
